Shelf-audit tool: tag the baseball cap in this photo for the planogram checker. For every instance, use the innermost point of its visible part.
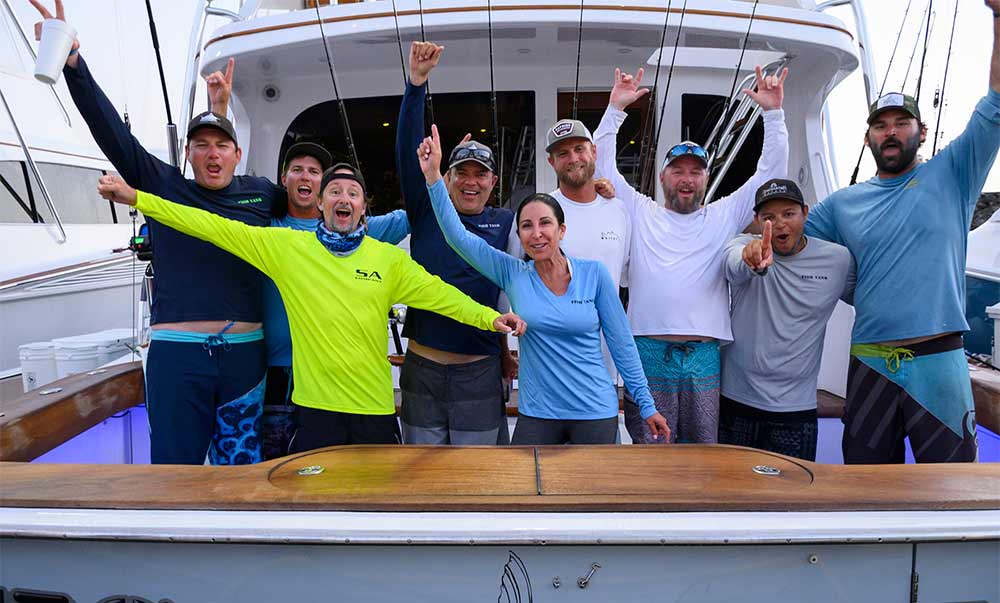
(307, 149)
(894, 100)
(566, 129)
(778, 188)
(330, 175)
(686, 149)
(473, 151)
(211, 120)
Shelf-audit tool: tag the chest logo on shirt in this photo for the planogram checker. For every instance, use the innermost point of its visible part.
(814, 277)
(250, 201)
(911, 184)
(610, 235)
(367, 275)
(581, 301)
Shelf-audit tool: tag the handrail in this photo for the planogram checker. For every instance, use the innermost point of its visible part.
(34, 57)
(867, 62)
(34, 171)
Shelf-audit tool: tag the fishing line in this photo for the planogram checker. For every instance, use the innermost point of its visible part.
(493, 103)
(648, 126)
(579, 51)
(944, 83)
(336, 92)
(171, 127)
(916, 42)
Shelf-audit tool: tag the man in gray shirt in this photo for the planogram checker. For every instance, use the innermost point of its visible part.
(783, 288)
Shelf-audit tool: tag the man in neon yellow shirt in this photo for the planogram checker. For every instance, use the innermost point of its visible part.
(338, 286)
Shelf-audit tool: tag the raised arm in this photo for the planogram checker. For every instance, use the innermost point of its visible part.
(773, 163)
(252, 244)
(492, 263)
(424, 56)
(626, 91)
(621, 344)
(139, 168)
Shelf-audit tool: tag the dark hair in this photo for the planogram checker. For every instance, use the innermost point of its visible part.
(545, 198)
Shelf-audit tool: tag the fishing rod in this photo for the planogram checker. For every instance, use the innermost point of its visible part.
(399, 41)
(736, 75)
(336, 93)
(648, 126)
(666, 92)
(916, 42)
(493, 103)
(579, 52)
(885, 79)
(171, 126)
(923, 58)
(944, 83)
(427, 84)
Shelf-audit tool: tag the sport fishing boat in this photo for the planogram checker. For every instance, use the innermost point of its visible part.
(685, 523)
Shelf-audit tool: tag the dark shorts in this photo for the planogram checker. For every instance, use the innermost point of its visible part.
(277, 424)
(788, 433)
(205, 399)
(540, 432)
(451, 403)
(922, 392)
(317, 428)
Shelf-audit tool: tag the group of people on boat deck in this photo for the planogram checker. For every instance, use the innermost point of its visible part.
(723, 333)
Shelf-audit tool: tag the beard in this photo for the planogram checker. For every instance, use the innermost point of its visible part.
(674, 202)
(902, 161)
(576, 178)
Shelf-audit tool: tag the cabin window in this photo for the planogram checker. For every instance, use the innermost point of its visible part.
(73, 190)
(373, 128)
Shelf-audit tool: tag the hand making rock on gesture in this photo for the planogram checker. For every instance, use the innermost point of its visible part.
(769, 91)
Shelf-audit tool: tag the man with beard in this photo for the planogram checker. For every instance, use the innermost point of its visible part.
(908, 229)
(784, 288)
(451, 379)
(678, 296)
(600, 227)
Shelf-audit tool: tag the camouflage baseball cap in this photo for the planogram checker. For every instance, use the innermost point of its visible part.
(894, 100)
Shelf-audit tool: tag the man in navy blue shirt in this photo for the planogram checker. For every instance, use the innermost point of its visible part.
(451, 381)
(206, 363)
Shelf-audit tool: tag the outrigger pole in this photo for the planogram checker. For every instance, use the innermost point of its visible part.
(171, 126)
(423, 38)
(336, 93)
(923, 58)
(399, 40)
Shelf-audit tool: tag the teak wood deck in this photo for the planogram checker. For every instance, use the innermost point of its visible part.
(414, 478)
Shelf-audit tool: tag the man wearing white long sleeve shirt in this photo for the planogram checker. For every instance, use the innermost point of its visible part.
(678, 295)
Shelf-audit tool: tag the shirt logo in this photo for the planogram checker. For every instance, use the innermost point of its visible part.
(366, 275)
(250, 201)
(490, 225)
(814, 277)
(581, 301)
(609, 235)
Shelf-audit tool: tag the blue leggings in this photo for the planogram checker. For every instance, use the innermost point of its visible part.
(205, 397)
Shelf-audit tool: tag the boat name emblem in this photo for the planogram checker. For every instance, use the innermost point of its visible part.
(311, 470)
(766, 470)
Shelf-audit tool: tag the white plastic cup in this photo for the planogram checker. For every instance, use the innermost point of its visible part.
(53, 50)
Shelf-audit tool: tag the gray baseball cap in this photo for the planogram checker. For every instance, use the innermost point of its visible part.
(564, 130)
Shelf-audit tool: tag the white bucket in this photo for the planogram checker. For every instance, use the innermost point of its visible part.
(53, 50)
(74, 357)
(994, 313)
(38, 364)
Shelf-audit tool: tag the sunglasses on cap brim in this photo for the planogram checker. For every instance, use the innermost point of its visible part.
(680, 150)
(472, 153)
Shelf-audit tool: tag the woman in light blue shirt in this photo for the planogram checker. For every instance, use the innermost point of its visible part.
(565, 393)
